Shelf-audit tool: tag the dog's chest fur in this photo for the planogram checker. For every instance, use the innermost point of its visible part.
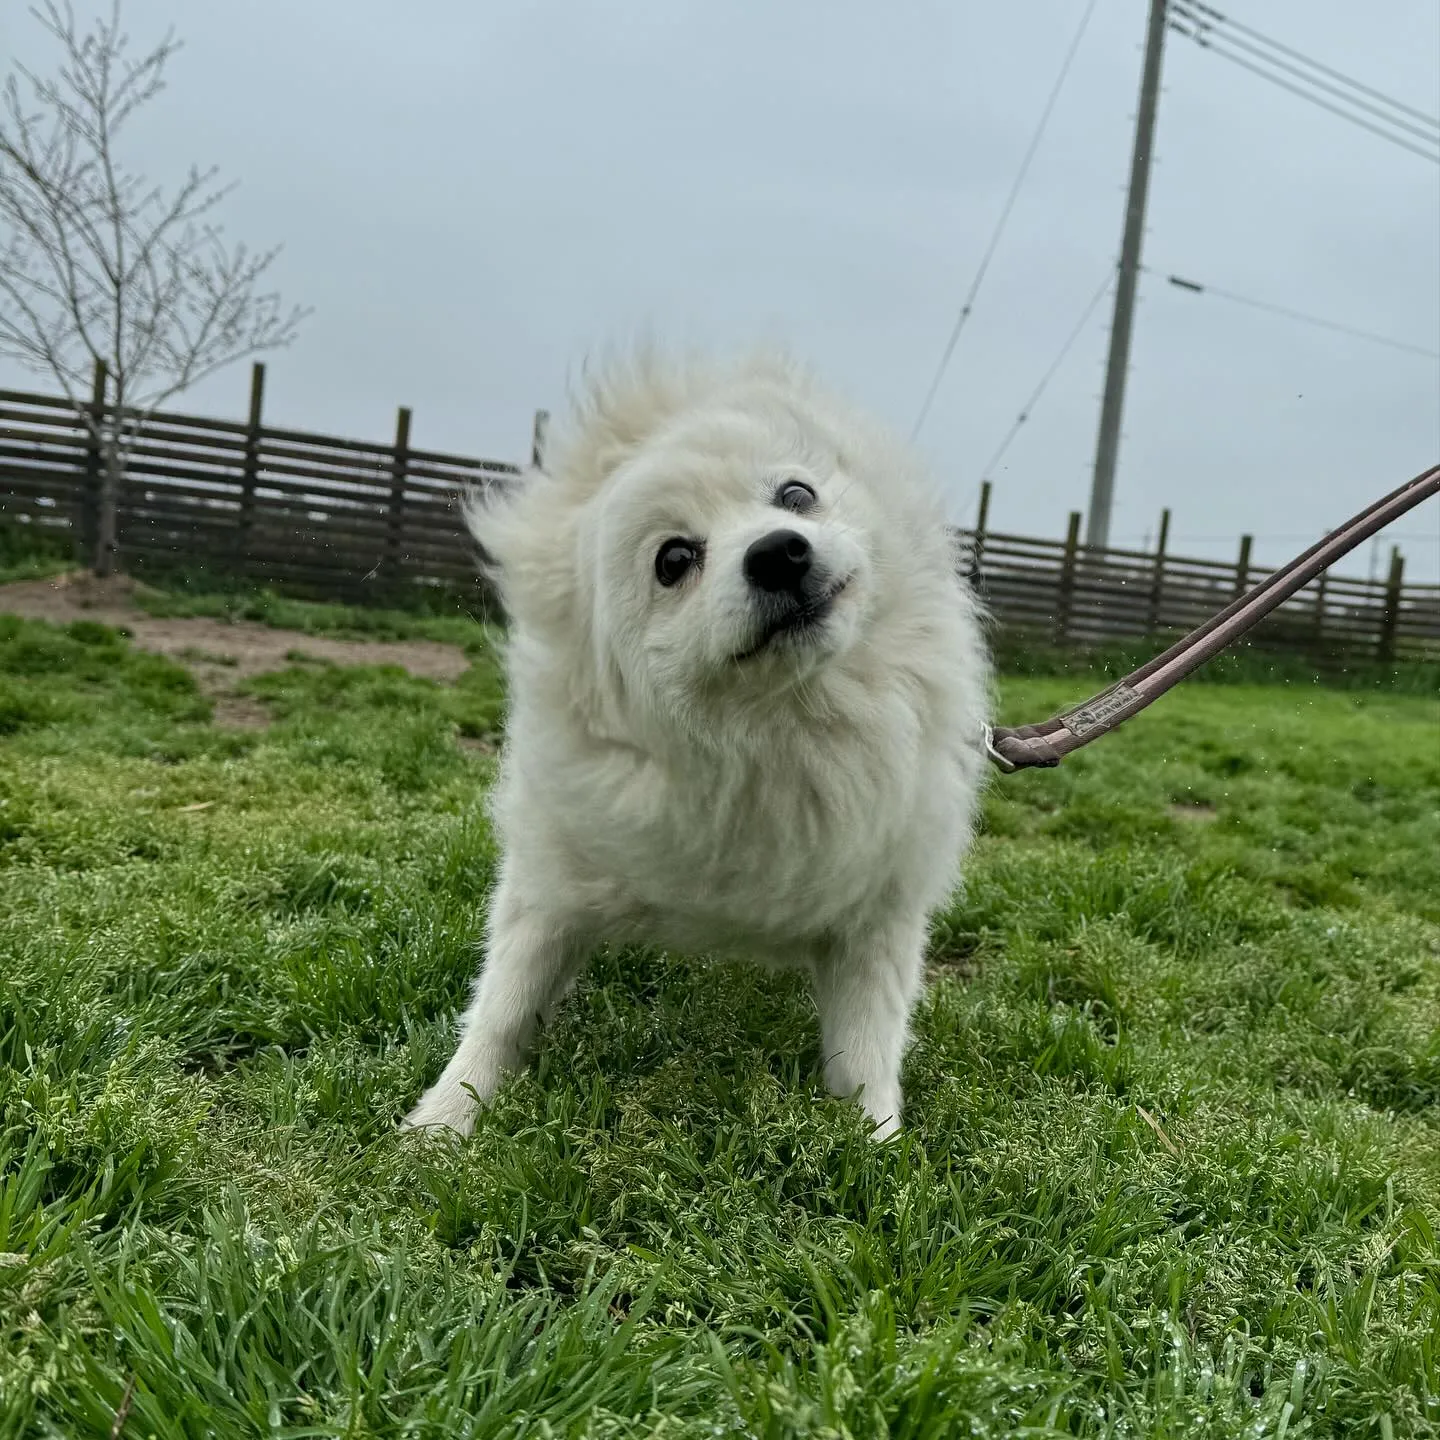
(817, 828)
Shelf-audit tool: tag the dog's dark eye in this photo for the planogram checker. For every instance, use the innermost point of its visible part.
(674, 559)
(795, 495)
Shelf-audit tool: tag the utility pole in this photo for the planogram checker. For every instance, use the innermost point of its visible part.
(1107, 443)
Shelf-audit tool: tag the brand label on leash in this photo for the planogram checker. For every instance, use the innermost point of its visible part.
(1100, 711)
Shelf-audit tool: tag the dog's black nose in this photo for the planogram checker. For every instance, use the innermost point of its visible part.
(778, 561)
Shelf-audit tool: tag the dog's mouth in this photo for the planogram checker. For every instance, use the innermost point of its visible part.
(798, 621)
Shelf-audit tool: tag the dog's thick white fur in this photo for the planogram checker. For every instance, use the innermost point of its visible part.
(774, 757)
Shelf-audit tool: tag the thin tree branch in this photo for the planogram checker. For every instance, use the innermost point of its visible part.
(99, 264)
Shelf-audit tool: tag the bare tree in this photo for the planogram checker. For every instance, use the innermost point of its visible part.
(104, 274)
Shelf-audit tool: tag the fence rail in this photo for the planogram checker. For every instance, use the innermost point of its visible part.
(329, 515)
(356, 519)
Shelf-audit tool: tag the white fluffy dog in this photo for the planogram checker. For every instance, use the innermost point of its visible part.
(747, 693)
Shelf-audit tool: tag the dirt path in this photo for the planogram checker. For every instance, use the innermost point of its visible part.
(218, 652)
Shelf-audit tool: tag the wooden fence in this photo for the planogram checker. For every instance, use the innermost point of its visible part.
(316, 513)
(1062, 591)
(352, 519)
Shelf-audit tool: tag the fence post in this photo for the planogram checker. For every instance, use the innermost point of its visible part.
(399, 467)
(1242, 566)
(1391, 616)
(1318, 634)
(538, 437)
(1157, 580)
(251, 472)
(88, 510)
(1067, 578)
(977, 548)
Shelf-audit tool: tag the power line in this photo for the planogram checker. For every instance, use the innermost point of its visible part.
(969, 303)
(1290, 537)
(1429, 132)
(1048, 376)
(1208, 16)
(1306, 95)
(1196, 288)
(1209, 44)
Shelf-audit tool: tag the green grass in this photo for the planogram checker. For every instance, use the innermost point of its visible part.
(445, 619)
(31, 552)
(1172, 1159)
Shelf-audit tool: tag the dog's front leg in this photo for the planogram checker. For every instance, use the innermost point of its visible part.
(865, 988)
(531, 956)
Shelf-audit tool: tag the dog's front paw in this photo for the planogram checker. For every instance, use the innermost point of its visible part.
(881, 1101)
(885, 1128)
(444, 1107)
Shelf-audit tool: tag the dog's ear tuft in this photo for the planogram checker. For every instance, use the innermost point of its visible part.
(522, 526)
(622, 399)
(486, 507)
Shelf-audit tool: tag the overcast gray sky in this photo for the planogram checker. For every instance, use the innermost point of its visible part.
(473, 195)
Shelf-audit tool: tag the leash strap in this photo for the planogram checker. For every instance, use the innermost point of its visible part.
(1019, 747)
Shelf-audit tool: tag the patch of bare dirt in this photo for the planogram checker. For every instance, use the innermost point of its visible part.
(238, 712)
(1200, 812)
(218, 653)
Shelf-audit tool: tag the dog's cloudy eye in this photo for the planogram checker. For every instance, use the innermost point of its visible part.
(795, 495)
(674, 559)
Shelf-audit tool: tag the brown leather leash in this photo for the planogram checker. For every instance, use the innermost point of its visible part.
(1019, 747)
